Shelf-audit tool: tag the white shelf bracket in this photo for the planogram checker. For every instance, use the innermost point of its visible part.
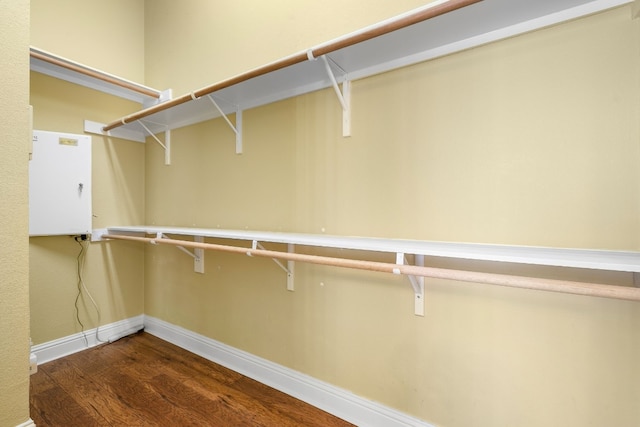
(166, 145)
(417, 282)
(288, 269)
(291, 248)
(237, 128)
(198, 259)
(344, 97)
(197, 254)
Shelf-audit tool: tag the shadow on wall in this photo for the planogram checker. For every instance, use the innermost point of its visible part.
(118, 196)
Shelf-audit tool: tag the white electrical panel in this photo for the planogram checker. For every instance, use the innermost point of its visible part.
(60, 184)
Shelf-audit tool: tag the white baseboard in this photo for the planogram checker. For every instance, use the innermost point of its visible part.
(327, 397)
(65, 346)
(28, 423)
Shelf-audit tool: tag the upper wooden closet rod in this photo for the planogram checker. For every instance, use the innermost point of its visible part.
(69, 65)
(385, 28)
(570, 287)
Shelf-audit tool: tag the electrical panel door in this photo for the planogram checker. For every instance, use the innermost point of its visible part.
(60, 184)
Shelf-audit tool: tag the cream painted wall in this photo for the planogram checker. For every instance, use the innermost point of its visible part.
(531, 141)
(14, 267)
(199, 42)
(527, 141)
(107, 35)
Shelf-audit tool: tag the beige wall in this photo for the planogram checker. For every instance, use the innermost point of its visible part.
(112, 39)
(532, 141)
(107, 35)
(14, 137)
(236, 36)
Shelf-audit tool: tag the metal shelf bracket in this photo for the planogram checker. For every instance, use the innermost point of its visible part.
(417, 282)
(290, 264)
(344, 96)
(237, 128)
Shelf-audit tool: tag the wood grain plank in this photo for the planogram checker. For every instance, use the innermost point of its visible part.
(40, 381)
(148, 403)
(55, 407)
(90, 393)
(186, 360)
(206, 383)
(142, 380)
(286, 407)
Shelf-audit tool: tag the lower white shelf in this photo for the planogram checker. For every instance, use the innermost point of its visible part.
(590, 259)
(562, 257)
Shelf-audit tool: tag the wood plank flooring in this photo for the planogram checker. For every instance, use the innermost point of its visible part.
(142, 380)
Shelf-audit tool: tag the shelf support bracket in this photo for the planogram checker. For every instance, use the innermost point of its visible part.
(198, 259)
(197, 254)
(237, 128)
(291, 248)
(417, 283)
(288, 269)
(344, 97)
(166, 145)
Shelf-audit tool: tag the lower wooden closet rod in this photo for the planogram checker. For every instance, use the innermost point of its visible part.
(577, 288)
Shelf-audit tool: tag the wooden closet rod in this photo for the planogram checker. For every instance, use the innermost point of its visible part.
(92, 73)
(387, 27)
(577, 288)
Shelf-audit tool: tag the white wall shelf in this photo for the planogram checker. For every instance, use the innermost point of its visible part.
(358, 55)
(628, 261)
(65, 69)
(623, 261)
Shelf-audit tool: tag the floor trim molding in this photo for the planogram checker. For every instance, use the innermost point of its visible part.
(327, 397)
(28, 423)
(65, 346)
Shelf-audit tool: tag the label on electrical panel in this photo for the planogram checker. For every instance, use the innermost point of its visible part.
(68, 141)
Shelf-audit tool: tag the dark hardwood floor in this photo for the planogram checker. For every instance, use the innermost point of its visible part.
(142, 380)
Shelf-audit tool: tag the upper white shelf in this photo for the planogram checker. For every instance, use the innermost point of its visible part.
(466, 27)
(628, 261)
(65, 69)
